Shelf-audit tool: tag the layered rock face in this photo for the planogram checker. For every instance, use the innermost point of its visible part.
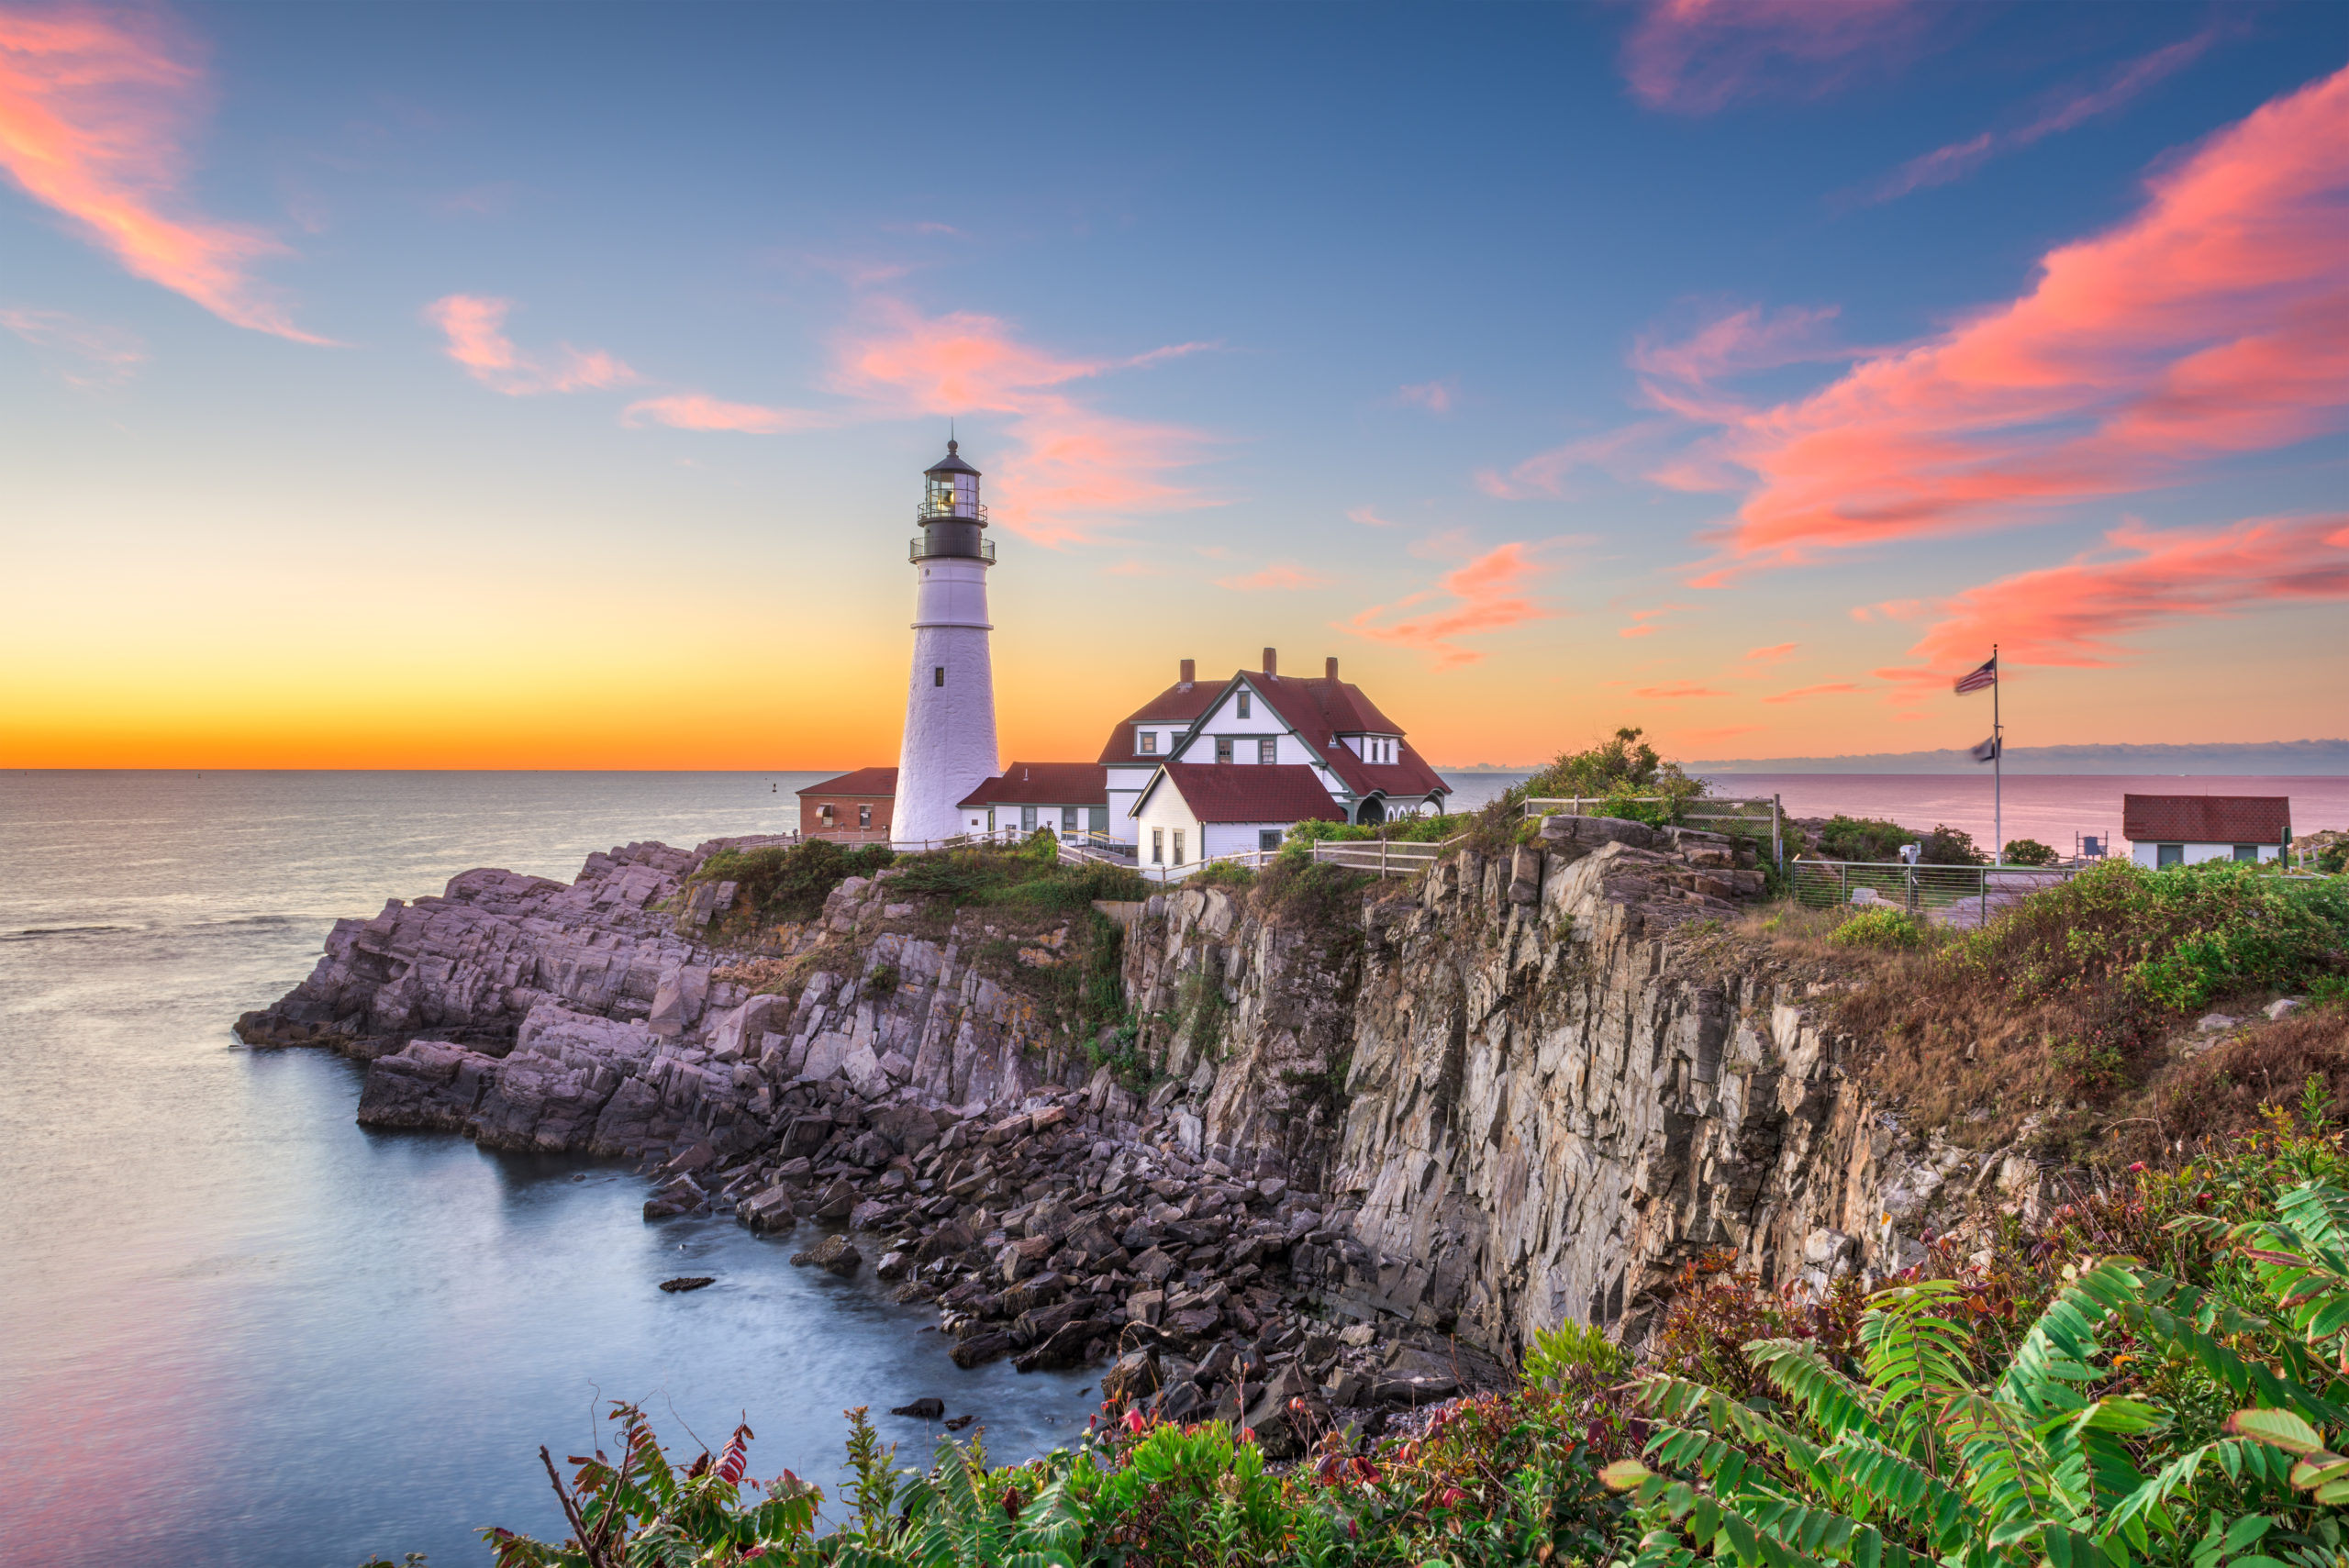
(1535, 1084)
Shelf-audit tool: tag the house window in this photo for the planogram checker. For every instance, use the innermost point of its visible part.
(1266, 751)
(1179, 846)
(938, 676)
(2168, 855)
(824, 812)
(990, 819)
(1027, 819)
(1097, 819)
(2247, 853)
(1068, 820)
(1158, 846)
(1268, 837)
(1149, 742)
(1243, 705)
(1223, 748)
(865, 817)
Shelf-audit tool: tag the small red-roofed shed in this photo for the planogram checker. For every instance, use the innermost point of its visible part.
(2187, 829)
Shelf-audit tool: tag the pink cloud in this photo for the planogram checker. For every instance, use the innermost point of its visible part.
(2214, 323)
(1959, 158)
(1073, 468)
(2075, 614)
(1803, 693)
(1744, 340)
(1644, 621)
(1621, 452)
(1776, 654)
(1280, 574)
(1488, 593)
(93, 109)
(1368, 518)
(1678, 689)
(692, 411)
(1697, 56)
(1435, 396)
(476, 332)
(97, 355)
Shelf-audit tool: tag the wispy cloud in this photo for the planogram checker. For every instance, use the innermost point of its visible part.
(1740, 343)
(1435, 396)
(93, 106)
(2075, 107)
(2215, 322)
(1804, 693)
(95, 355)
(1758, 659)
(1076, 471)
(1489, 594)
(2077, 614)
(1699, 56)
(1644, 622)
(1280, 574)
(476, 327)
(1368, 518)
(1677, 689)
(692, 411)
(1624, 452)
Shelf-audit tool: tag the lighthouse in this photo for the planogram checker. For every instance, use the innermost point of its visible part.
(949, 749)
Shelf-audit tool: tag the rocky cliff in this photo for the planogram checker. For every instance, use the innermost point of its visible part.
(1447, 1111)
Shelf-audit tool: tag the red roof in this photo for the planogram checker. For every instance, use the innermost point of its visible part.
(2206, 819)
(878, 782)
(1177, 707)
(1044, 783)
(1320, 710)
(1249, 792)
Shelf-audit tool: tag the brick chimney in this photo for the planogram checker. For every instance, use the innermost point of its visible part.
(1271, 661)
(1333, 668)
(1190, 667)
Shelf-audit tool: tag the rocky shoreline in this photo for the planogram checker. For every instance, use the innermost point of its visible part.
(1357, 1157)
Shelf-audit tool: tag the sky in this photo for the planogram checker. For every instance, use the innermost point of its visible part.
(534, 386)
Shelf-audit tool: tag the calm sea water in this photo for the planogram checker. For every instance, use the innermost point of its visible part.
(236, 1328)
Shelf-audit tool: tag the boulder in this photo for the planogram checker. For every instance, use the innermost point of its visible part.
(833, 1254)
(770, 1210)
(928, 1408)
(1134, 1376)
(980, 1348)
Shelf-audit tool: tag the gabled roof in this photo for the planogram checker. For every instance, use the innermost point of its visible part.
(1044, 783)
(1320, 710)
(881, 782)
(2206, 819)
(1246, 792)
(1179, 705)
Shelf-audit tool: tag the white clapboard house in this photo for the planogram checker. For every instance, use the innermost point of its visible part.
(1205, 769)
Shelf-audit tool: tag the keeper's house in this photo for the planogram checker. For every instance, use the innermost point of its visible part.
(1202, 770)
(1070, 798)
(2187, 830)
(852, 808)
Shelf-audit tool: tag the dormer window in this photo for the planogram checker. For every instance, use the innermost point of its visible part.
(1148, 746)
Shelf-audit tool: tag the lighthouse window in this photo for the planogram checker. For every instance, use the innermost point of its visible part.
(938, 676)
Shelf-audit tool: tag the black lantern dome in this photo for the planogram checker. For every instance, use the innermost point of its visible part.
(951, 514)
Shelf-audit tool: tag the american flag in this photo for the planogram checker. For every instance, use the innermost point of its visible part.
(1975, 681)
(1988, 751)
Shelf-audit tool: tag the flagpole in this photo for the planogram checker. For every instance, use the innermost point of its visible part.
(1997, 769)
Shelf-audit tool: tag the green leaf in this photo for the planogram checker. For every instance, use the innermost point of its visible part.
(1624, 1474)
(2278, 1429)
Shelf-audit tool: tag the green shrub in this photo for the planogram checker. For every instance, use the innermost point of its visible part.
(1879, 929)
(790, 882)
(1873, 838)
(1557, 1354)
(1615, 770)
(2027, 853)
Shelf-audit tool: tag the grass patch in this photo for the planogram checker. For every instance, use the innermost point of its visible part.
(780, 882)
(2067, 1001)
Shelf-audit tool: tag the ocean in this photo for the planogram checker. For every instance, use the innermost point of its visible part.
(237, 1328)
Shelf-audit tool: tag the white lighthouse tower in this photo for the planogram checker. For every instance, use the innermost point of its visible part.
(949, 749)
